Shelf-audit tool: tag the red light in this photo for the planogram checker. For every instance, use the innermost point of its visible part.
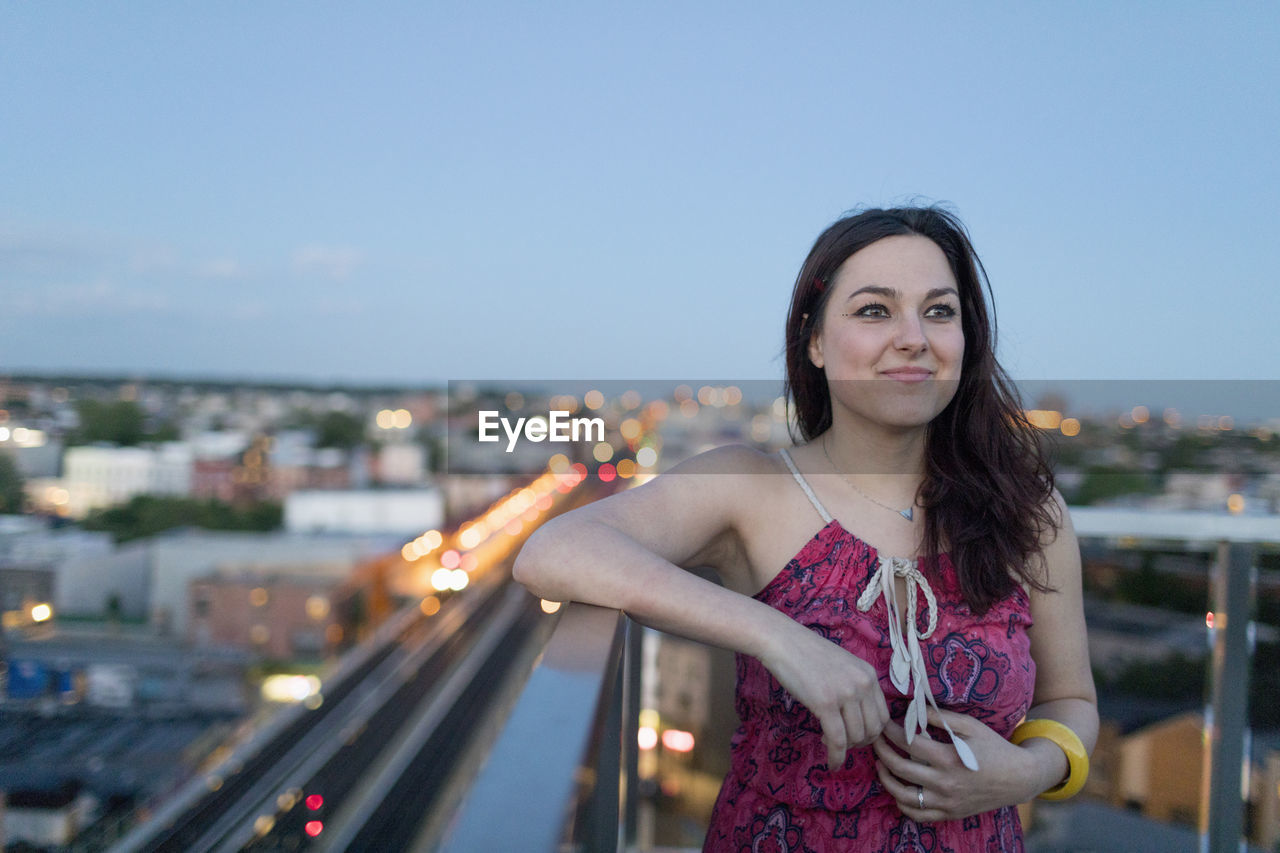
(315, 801)
(313, 828)
(579, 469)
(607, 472)
(1208, 619)
(677, 741)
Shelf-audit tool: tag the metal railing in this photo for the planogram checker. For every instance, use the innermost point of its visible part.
(556, 777)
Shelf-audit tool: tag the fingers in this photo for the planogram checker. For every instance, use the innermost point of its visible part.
(835, 736)
(959, 722)
(922, 747)
(907, 796)
(906, 769)
(858, 725)
(882, 709)
(848, 729)
(855, 727)
(875, 712)
(857, 722)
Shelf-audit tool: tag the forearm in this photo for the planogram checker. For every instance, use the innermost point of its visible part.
(595, 563)
(1050, 763)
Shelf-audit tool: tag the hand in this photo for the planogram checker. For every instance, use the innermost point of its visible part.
(951, 791)
(839, 688)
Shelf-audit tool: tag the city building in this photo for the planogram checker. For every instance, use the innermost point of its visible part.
(173, 560)
(47, 817)
(388, 511)
(101, 476)
(281, 614)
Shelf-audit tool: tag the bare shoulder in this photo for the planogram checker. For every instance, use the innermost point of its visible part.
(1059, 562)
(728, 480)
(730, 459)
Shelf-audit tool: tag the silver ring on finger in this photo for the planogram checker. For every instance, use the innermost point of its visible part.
(920, 795)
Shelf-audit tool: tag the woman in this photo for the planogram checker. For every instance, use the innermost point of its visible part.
(883, 662)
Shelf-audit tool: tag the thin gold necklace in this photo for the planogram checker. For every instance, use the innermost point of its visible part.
(905, 513)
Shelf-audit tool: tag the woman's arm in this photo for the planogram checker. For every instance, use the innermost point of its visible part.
(1059, 645)
(630, 551)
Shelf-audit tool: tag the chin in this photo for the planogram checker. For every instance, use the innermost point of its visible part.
(907, 421)
(908, 411)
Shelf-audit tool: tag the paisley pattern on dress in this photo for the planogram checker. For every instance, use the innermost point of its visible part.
(780, 795)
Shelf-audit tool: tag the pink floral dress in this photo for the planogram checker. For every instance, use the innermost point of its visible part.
(779, 795)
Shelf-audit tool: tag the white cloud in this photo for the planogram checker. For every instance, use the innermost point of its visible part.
(336, 262)
(100, 296)
(153, 259)
(220, 268)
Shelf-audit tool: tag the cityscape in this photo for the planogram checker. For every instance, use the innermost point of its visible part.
(313, 315)
(189, 569)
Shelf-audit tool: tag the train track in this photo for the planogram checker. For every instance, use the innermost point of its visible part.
(261, 800)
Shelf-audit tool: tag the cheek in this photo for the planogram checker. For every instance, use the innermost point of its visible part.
(952, 344)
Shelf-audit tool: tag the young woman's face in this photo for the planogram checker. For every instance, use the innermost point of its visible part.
(893, 317)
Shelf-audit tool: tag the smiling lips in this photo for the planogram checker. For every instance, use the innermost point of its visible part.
(907, 374)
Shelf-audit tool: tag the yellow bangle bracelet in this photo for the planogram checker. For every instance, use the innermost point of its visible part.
(1069, 742)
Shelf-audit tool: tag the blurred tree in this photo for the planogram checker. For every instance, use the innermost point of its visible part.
(147, 515)
(1106, 482)
(433, 442)
(16, 405)
(1177, 676)
(1264, 687)
(339, 429)
(1151, 587)
(119, 421)
(167, 431)
(299, 418)
(12, 496)
(1188, 452)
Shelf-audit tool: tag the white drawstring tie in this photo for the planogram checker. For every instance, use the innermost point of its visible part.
(907, 662)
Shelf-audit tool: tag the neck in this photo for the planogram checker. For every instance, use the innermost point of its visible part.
(875, 452)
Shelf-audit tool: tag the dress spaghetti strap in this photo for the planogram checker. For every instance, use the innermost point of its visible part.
(804, 484)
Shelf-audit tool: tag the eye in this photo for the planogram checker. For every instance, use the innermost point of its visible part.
(941, 311)
(873, 309)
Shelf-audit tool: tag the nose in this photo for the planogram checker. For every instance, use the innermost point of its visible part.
(909, 335)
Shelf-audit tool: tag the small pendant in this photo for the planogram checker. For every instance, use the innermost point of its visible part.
(906, 513)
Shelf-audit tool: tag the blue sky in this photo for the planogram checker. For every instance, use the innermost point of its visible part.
(419, 192)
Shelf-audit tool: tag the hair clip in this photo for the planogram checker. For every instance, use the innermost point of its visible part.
(818, 284)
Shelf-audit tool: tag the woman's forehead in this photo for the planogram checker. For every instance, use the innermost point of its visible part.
(900, 260)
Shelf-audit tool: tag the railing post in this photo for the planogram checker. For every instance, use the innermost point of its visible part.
(602, 829)
(1227, 717)
(632, 661)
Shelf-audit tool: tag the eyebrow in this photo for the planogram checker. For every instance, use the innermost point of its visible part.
(890, 293)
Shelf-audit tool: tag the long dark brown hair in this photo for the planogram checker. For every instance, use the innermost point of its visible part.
(988, 488)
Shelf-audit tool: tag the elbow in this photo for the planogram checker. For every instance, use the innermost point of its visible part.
(529, 566)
